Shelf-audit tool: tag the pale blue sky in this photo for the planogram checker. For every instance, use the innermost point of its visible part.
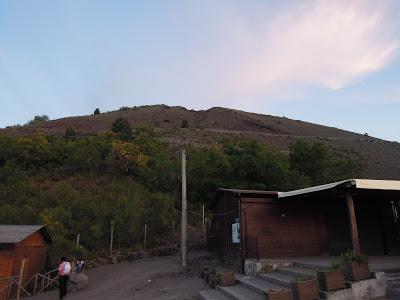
(332, 62)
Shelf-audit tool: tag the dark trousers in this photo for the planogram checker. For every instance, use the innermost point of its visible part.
(63, 280)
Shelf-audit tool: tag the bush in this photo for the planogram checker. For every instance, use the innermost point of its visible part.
(124, 108)
(39, 119)
(70, 133)
(185, 124)
(122, 128)
(351, 256)
(96, 111)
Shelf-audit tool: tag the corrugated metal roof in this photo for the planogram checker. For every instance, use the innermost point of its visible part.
(369, 184)
(239, 191)
(361, 184)
(344, 183)
(13, 234)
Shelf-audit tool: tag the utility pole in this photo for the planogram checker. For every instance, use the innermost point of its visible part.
(184, 212)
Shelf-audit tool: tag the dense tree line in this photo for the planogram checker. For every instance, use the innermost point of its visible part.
(79, 184)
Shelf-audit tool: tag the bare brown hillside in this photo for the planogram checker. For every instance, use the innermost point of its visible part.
(381, 158)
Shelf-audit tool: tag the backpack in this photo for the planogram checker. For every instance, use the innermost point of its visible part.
(67, 268)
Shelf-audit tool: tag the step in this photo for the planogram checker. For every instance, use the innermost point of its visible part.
(257, 284)
(239, 292)
(338, 294)
(393, 293)
(212, 295)
(394, 284)
(278, 278)
(298, 271)
(312, 266)
(391, 277)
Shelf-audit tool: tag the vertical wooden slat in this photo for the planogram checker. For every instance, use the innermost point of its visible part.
(353, 224)
(21, 274)
(35, 285)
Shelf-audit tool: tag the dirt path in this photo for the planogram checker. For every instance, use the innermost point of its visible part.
(154, 278)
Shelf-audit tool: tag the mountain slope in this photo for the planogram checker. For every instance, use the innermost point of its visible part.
(381, 158)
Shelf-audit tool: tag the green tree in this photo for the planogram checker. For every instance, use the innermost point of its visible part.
(39, 119)
(96, 111)
(313, 160)
(309, 159)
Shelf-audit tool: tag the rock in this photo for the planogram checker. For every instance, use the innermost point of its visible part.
(79, 281)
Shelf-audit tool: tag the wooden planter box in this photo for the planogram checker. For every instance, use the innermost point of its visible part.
(206, 275)
(203, 272)
(226, 278)
(278, 294)
(331, 280)
(305, 290)
(213, 280)
(356, 271)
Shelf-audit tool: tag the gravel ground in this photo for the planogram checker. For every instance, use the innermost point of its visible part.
(154, 278)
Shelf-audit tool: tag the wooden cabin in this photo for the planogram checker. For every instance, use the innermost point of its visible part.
(20, 243)
(358, 214)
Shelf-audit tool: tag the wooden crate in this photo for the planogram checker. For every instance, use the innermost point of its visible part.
(226, 278)
(331, 280)
(356, 271)
(277, 294)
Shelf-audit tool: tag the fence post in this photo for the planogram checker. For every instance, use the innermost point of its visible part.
(145, 236)
(35, 285)
(21, 274)
(204, 224)
(77, 240)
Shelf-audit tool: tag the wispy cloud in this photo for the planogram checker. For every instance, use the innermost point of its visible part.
(323, 43)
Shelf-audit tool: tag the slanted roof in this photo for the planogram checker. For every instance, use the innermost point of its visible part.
(10, 235)
(240, 192)
(358, 184)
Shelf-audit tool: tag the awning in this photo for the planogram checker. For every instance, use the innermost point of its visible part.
(361, 184)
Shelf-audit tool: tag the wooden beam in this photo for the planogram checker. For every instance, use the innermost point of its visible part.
(353, 224)
(20, 278)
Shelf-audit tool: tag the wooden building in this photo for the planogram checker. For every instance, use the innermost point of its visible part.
(18, 244)
(323, 220)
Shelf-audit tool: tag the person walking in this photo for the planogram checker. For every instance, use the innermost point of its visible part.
(64, 270)
(80, 265)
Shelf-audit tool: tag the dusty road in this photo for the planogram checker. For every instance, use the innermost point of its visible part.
(130, 280)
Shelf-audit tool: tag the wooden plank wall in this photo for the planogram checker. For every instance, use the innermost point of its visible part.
(5, 269)
(291, 228)
(33, 249)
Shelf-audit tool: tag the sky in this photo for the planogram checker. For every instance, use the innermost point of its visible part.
(331, 62)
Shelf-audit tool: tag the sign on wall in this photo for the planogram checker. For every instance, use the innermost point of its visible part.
(236, 232)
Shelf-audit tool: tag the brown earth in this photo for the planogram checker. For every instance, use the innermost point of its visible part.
(161, 278)
(381, 158)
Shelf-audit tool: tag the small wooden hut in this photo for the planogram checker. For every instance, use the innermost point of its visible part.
(22, 244)
(358, 214)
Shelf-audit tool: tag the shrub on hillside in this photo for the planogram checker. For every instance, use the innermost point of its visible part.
(122, 127)
(185, 124)
(39, 119)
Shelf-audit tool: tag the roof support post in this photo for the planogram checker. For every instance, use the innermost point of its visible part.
(353, 223)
